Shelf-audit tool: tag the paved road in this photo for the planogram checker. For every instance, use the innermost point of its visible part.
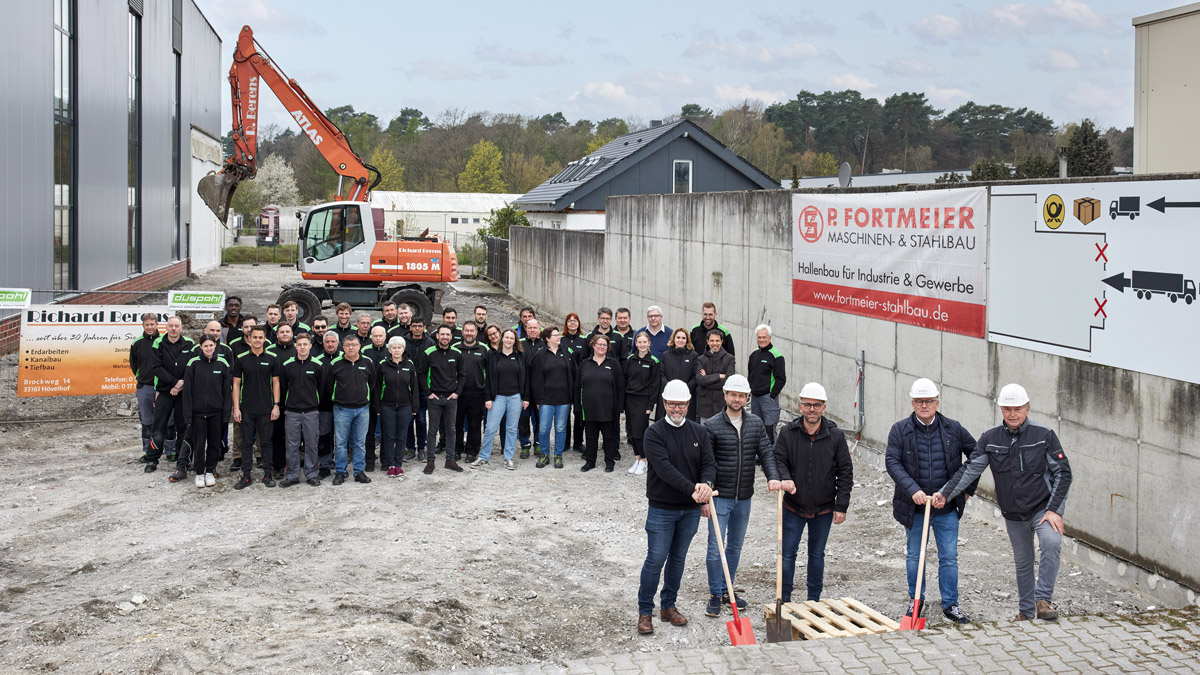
(1163, 644)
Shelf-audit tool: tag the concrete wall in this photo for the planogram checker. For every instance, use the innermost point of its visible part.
(1132, 438)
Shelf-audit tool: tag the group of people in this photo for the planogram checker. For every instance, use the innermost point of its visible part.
(321, 400)
(696, 469)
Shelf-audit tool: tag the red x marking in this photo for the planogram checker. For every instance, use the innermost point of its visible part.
(1101, 252)
(1100, 307)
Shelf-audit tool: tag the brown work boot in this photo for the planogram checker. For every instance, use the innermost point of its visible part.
(1045, 612)
(645, 624)
(429, 466)
(673, 616)
(1020, 617)
(453, 465)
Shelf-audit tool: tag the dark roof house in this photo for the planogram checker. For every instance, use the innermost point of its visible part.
(679, 157)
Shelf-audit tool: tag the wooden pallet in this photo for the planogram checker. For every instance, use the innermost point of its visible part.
(832, 618)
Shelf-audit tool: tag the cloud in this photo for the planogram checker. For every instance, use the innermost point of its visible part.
(797, 25)
(229, 16)
(606, 92)
(872, 20)
(946, 98)
(614, 58)
(519, 58)
(1087, 99)
(439, 69)
(660, 82)
(566, 30)
(745, 55)
(937, 28)
(908, 67)
(1034, 18)
(852, 81)
(747, 35)
(1055, 59)
(728, 93)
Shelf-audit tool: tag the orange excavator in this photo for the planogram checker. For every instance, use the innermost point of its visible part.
(343, 242)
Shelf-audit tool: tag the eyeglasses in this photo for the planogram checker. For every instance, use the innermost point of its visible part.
(924, 401)
(653, 316)
(673, 405)
(812, 406)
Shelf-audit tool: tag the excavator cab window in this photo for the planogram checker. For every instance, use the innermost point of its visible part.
(354, 228)
(333, 231)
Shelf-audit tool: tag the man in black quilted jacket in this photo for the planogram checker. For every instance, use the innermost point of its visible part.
(739, 441)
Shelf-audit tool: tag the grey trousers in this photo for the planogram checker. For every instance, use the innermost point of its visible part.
(442, 411)
(1030, 589)
(304, 426)
(768, 409)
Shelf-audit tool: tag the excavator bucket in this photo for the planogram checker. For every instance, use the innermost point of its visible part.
(216, 189)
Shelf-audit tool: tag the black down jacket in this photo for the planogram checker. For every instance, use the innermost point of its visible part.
(736, 456)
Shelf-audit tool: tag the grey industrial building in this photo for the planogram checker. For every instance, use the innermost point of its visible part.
(104, 101)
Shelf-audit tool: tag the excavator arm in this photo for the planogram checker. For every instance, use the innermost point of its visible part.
(251, 69)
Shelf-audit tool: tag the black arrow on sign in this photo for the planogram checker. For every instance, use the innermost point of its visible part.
(1119, 282)
(1161, 205)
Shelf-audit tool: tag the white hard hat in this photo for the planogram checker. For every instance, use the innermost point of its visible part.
(737, 383)
(677, 391)
(814, 390)
(1013, 395)
(923, 388)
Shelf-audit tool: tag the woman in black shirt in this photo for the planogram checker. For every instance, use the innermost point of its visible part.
(551, 384)
(643, 382)
(601, 398)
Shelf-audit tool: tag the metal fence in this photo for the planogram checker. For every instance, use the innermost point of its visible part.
(247, 246)
(496, 266)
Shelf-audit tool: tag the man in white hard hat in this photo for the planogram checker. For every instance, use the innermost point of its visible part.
(923, 451)
(815, 469)
(739, 440)
(679, 480)
(1032, 477)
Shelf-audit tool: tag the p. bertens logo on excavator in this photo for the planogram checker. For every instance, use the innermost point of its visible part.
(302, 120)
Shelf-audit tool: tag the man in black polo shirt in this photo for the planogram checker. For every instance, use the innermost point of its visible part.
(141, 362)
(256, 403)
(347, 382)
(171, 353)
(468, 423)
(300, 377)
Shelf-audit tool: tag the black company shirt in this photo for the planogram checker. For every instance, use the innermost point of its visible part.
(256, 373)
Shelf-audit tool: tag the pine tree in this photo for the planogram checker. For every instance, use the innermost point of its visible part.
(1088, 154)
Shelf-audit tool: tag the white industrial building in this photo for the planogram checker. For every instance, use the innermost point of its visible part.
(453, 215)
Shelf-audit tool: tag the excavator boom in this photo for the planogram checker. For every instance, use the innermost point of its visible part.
(252, 68)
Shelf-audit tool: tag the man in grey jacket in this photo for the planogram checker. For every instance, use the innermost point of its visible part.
(1032, 476)
(739, 441)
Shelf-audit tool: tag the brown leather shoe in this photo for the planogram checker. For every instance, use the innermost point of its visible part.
(1045, 612)
(1020, 617)
(429, 467)
(453, 465)
(673, 616)
(645, 624)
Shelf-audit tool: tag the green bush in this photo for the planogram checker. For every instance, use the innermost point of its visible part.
(250, 254)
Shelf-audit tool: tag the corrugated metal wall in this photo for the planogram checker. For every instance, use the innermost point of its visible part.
(26, 134)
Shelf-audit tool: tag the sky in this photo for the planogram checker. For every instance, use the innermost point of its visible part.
(1064, 58)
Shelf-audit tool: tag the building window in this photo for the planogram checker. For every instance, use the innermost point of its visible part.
(175, 158)
(64, 145)
(475, 221)
(683, 176)
(454, 221)
(134, 241)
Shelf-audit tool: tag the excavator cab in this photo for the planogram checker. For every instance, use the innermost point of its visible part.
(216, 189)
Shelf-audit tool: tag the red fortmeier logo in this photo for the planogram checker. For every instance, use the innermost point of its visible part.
(811, 224)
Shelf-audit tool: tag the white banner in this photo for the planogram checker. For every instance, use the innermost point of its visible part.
(911, 257)
(1102, 272)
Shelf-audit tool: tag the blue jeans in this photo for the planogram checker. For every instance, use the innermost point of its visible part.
(668, 535)
(818, 534)
(395, 421)
(734, 516)
(945, 533)
(416, 428)
(350, 433)
(553, 415)
(507, 408)
(529, 422)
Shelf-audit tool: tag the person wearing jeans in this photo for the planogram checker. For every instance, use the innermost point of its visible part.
(506, 398)
(679, 480)
(551, 385)
(347, 381)
(816, 473)
(924, 449)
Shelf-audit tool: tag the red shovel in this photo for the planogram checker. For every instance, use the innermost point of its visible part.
(916, 622)
(740, 631)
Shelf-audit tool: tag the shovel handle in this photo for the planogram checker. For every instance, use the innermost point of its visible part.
(712, 513)
(921, 564)
(779, 546)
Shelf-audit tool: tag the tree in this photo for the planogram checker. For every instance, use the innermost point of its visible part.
(390, 171)
(522, 173)
(1121, 143)
(406, 126)
(553, 122)
(483, 172)
(990, 169)
(693, 111)
(501, 220)
(275, 183)
(606, 131)
(950, 177)
(818, 164)
(1036, 166)
(1088, 154)
(360, 129)
(908, 118)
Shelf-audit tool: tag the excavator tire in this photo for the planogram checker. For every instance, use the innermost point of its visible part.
(420, 303)
(306, 301)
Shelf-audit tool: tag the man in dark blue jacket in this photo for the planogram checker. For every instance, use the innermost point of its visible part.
(923, 451)
(1032, 476)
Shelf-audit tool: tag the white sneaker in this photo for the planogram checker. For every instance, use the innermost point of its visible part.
(634, 469)
(641, 467)
(478, 463)
(209, 480)
(200, 480)
(510, 465)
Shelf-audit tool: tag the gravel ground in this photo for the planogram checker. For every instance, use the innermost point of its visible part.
(108, 569)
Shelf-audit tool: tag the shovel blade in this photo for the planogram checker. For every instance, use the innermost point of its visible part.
(779, 629)
(216, 189)
(740, 632)
(912, 623)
